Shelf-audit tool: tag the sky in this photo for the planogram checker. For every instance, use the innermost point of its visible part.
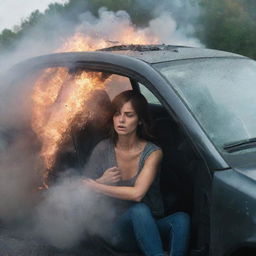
(12, 12)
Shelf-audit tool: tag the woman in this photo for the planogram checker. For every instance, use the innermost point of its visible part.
(128, 171)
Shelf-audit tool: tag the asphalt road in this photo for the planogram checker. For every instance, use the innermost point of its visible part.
(13, 243)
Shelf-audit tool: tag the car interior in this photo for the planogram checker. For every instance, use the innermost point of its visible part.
(185, 178)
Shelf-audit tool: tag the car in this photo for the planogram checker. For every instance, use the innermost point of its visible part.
(202, 103)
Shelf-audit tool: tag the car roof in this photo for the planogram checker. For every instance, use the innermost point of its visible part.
(122, 55)
(162, 53)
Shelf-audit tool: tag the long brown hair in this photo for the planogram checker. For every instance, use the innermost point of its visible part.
(140, 105)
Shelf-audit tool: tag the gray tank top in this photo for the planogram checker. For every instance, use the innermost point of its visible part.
(103, 157)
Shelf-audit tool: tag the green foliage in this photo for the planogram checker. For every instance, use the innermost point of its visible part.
(227, 25)
(7, 37)
(34, 18)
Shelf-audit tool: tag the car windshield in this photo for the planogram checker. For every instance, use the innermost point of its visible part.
(221, 94)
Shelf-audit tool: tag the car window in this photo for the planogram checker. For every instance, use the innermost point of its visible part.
(151, 98)
(221, 94)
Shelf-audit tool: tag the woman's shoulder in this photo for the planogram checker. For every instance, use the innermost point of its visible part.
(150, 147)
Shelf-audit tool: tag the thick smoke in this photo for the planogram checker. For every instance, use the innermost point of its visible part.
(19, 176)
(66, 210)
(69, 212)
(112, 27)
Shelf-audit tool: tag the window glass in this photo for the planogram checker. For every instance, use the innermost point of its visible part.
(221, 94)
(151, 98)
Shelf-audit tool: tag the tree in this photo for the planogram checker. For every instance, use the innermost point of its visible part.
(7, 38)
(228, 26)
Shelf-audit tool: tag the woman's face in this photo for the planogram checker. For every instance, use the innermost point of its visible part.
(126, 120)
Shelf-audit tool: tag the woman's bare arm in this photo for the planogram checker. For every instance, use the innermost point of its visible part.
(141, 186)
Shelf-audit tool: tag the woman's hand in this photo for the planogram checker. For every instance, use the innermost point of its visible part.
(110, 177)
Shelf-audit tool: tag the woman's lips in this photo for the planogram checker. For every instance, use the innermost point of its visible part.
(121, 127)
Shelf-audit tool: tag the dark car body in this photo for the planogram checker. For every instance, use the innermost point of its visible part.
(223, 183)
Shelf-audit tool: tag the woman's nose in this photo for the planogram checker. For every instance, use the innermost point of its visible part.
(122, 119)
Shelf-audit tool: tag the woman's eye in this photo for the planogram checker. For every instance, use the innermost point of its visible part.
(130, 115)
(116, 114)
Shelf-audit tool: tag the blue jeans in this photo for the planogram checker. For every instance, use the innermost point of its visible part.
(138, 229)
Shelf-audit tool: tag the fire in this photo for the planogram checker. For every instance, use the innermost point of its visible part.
(59, 97)
(80, 42)
(59, 100)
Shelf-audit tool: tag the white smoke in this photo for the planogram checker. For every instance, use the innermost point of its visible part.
(69, 212)
(165, 27)
(19, 175)
(112, 26)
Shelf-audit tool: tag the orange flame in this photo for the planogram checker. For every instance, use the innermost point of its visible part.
(80, 42)
(59, 98)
